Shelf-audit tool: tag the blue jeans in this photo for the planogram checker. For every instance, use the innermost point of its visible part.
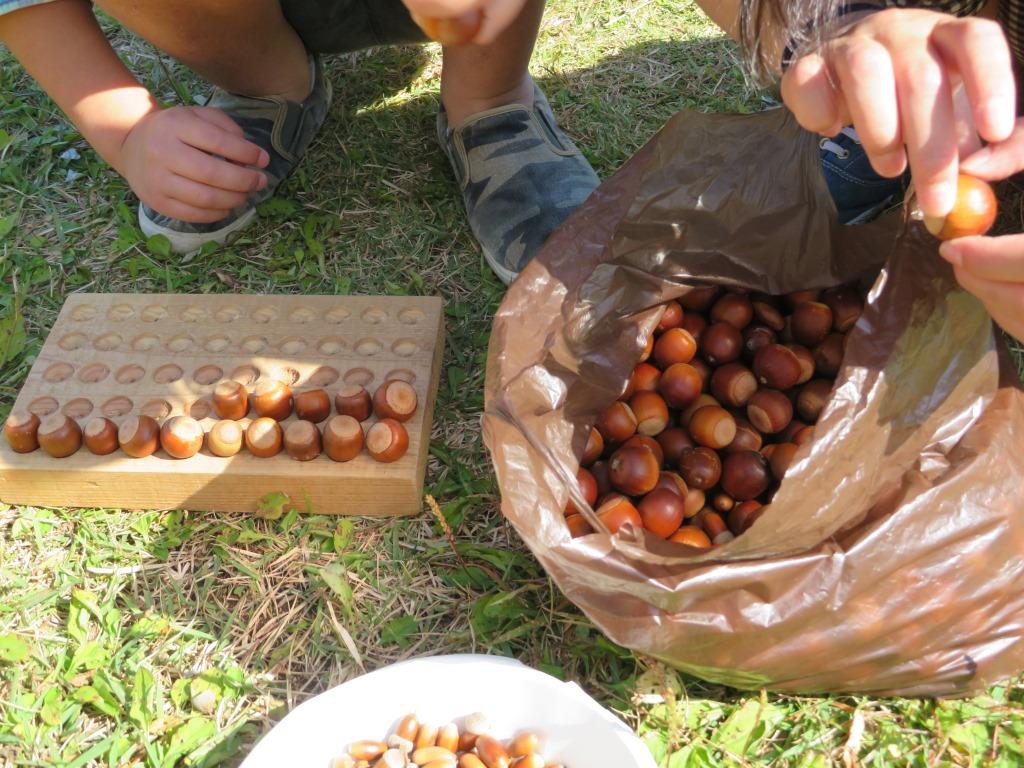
(859, 193)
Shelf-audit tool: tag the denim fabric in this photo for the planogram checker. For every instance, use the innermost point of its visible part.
(859, 193)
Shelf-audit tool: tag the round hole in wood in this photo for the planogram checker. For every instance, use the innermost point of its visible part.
(361, 376)
(374, 315)
(337, 315)
(70, 341)
(58, 372)
(43, 406)
(246, 374)
(129, 374)
(402, 374)
(411, 316)
(154, 313)
(292, 345)
(323, 376)
(107, 342)
(168, 373)
(302, 315)
(193, 314)
(331, 345)
(208, 374)
(120, 312)
(93, 373)
(368, 346)
(405, 347)
(84, 312)
(78, 408)
(216, 343)
(265, 315)
(179, 342)
(253, 344)
(145, 342)
(116, 406)
(228, 314)
(200, 409)
(287, 374)
(157, 408)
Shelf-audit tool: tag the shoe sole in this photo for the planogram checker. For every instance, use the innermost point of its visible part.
(504, 274)
(188, 242)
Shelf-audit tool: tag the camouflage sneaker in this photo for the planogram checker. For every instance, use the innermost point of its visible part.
(520, 177)
(283, 128)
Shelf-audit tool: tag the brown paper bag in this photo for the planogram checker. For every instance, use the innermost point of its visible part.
(892, 557)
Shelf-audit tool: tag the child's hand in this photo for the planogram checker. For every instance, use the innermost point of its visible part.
(892, 75)
(172, 158)
(992, 268)
(493, 16)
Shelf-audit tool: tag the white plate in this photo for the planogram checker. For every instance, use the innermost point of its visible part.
(575, 730)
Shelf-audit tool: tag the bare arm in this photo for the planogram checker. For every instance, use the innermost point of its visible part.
(61, 45)
(186, 162)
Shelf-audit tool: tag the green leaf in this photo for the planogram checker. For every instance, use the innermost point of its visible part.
(737, 732)
(145, 695)
(334, 576)
(160, 245)
(343, 535)
(90, 696)
(89, 656)
(13, 650)
(188, 737)
(272, 506)
(398, 631)
(7, 222)
(12, 335)
(52, 710)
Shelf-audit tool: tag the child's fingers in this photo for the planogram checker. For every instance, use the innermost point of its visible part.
(928, 125)
(1004, 301)
(981, 55)
(865, 72)
(498, 15)
(202, 195)
(210, 137)
(808, 92)
(1000, 259)
(998, 161)
(176, 209)
(214, 172)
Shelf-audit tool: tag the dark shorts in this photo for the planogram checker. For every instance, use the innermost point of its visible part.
(343, 26)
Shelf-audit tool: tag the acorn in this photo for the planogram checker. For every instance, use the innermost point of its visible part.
(225, 438)
(59, 435)
(593, 449)
(700, 467)
(181, 437)
(100, 436)
(139, 436)
(395, 399)
(634, 470)
(313, 405)
(230, 400)
(21, 430)
(387, 440)
(272, 399)
(343, 438)
(302, 440)
(680, 385)
(263, 437)
(721, 343)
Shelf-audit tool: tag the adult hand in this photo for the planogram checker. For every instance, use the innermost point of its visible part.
(892, 75)
(464, 21)
(992, 268)
(190, 163)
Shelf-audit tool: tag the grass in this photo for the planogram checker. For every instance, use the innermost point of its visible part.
(161, 638)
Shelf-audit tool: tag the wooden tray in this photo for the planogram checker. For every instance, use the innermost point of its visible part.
(162, 354)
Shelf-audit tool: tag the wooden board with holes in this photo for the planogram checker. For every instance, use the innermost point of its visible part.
(121, 354)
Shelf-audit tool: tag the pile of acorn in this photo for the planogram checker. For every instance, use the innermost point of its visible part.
(729, 387)
(342, 437)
